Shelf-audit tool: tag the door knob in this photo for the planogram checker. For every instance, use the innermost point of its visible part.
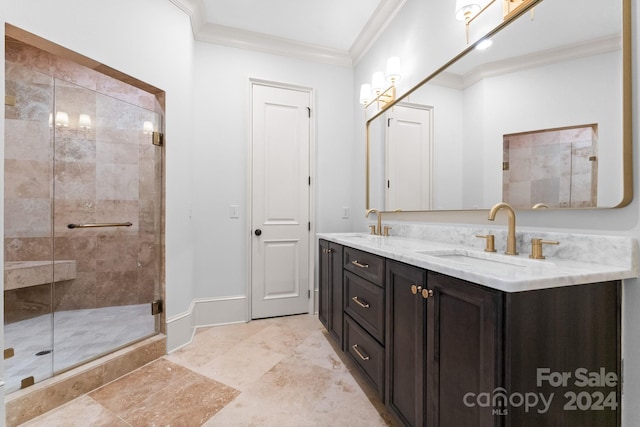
(258, 232)
(415, 289)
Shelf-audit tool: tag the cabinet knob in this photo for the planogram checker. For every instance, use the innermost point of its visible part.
(415, 289)
(427, 293)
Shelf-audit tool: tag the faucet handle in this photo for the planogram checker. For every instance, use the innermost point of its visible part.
(386, 230)
(536, 247)
(373, 229)
(491, 242)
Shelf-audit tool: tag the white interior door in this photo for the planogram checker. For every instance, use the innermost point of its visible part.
(280, 201)
(408, 157)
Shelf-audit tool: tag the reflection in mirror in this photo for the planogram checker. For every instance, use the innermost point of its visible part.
(543, 72)
(557, 168)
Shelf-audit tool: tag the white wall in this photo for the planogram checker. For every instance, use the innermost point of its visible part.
(152, 41)
(419, 35)
(220, 151)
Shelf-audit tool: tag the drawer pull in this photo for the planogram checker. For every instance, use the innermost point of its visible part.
(357, 264)
(416, 289)
(362, 304)
(359, 353)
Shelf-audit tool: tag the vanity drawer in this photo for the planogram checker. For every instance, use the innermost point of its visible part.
(367, 353)
(364, 264)
(364, 302)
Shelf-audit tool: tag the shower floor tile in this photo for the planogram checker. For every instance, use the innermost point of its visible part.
(76, 336)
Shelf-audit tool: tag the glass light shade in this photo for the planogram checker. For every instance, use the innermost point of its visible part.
(466, 9)
(377, 82)
(147, 127)
(365, 93)
(84, 121)
(393, 70)
(62, 119)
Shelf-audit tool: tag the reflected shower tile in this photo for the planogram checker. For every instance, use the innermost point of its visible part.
(27, 249)
(80, 248)
(118, 211)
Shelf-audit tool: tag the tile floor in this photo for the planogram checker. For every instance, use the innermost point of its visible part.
(70, 337)
(271, 372)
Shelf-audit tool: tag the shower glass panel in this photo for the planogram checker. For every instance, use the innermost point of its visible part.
(106, 223)
(28, 243)
(83, 220)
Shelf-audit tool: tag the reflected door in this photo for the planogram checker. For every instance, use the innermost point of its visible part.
(408, 165)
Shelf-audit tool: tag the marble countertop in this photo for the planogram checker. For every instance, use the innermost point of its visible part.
(495, 270)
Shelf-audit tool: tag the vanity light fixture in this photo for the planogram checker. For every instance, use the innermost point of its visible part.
(382, 89)
(62, 119)
(468, 10)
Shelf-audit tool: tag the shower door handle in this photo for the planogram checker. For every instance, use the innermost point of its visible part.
(97, 225)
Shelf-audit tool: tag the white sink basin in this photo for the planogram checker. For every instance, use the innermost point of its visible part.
(481, 259)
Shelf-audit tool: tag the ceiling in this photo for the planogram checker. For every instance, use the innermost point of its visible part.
(333, 31)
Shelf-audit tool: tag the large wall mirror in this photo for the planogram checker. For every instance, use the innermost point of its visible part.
(539, 119)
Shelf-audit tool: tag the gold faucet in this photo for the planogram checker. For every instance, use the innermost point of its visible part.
(375, 230)
(511, 235)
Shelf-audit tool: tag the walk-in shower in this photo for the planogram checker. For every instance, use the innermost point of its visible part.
(83, 214)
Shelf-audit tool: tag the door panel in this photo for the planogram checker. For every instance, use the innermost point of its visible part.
(280, 201)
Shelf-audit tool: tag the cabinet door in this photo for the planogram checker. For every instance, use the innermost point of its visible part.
(324, 274)
(336, 315)
(463, 348)
(405, 344)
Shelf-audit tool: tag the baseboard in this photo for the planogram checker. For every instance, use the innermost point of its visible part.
(205, 312)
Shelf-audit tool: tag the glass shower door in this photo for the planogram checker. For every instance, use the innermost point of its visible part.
(107, 224)
(28, 245)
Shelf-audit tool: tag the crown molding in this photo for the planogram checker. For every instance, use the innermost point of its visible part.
(524, 62)
(233, 37)
(379, 21)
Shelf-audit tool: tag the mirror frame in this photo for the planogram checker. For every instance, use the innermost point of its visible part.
(627, 141)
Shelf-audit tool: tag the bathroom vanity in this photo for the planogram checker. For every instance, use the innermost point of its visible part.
(449, 335)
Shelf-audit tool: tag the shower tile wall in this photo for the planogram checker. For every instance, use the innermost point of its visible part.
(102, 174)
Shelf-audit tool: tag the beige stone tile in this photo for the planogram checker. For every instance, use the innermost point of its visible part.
(318, 351)
(80, 412)
(241, 366)
(292, 394)
(164, 393)
(285, 334)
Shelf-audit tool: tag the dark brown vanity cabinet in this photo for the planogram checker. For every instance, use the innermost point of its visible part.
(364, 309)
(443, 342)
(331, 295)
(444, 352)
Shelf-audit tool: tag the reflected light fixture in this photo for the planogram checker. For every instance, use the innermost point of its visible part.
(62, 119)
(382, 89)
(147, 127)
(84, 121)
(467, 9)
(484, 44)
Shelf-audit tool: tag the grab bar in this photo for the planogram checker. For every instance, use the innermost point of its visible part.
(96, 225)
